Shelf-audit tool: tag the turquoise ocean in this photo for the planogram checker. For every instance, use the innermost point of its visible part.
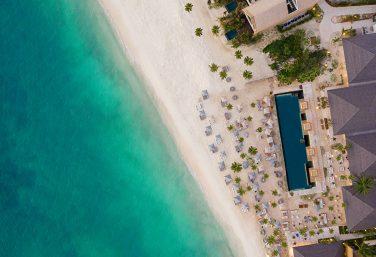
(86, 166)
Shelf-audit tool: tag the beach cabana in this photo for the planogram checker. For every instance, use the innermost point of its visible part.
(269, 123)
(208, 130)
(235, 189)
(221, 166)
(213, 148)
(252, 177)
(223, 102)
(223, 155)
(218, 139)
(269, 140)
(268, 132)
(237, 200)
(227, 115)
(205, 94)
(245, 207)
(202, 115)
(245, 164)
(228, 179)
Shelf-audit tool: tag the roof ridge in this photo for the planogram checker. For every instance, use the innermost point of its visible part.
(365, 64)
(350, 104)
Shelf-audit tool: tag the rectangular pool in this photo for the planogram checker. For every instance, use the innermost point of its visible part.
(293, 144)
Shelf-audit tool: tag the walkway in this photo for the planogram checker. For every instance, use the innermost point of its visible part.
(327, 27)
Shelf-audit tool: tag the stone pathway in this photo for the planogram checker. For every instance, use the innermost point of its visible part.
(328, 28)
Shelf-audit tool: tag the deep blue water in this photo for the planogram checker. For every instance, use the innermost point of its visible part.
(294, 149)
(86, 167)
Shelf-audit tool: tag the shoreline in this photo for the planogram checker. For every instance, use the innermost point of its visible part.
(179, 116)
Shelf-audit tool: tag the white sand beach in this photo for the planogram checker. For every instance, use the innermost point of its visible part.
(160, 42)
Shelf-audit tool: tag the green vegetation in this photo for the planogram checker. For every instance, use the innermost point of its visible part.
(259, 129)
(198, 32)
(213, 67)
(247, 74)
(364, 184)
(236, 167)
(252, 150)
(275, 192)
(248, 60)
(236, 21)
(231, 127)
(215, 30)
(351, 3)
(223, 74)
(237, 180)
(241, 191)
(341, 148)
(188, 7)
(238, 54)
(293, 60)
(229, 106)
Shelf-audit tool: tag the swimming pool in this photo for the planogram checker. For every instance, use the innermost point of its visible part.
(293, 143)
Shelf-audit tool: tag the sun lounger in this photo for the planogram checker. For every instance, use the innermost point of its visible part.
(208, 130)
(223, 102)
(205, 94)
(223, 155)
(202, 115)
(213, 148)
(228, 179)
(221, 166)
(237, 200)
(218, 139)
(245, 164)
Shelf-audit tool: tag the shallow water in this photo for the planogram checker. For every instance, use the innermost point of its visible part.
(86, 167)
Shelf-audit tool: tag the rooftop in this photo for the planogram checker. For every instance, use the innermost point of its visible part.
(323, 250)
(268, 13)
(360, 56)
(360, 209)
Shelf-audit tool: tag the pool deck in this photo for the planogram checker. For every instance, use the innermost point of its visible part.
(293, 144)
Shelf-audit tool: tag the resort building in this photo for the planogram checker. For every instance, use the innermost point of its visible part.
(264, 14)
(335, 249)
(353, 112)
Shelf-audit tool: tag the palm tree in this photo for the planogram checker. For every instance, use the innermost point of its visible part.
(259, 129)
(312, 233)
(223, 74)
(275, 192)
(236, 167)
(271, 240)
(261, 192)
(238, 54)
(284, 244)
(364, 184)
(274, 204)
(237, 180)
(248, 60)
(213, 67)
(241, 190)
(215, 30)
(257, 207)
(252, 150)
(249, 188)
(275, 252)
(188, 7)
(229, 106)
(198, 32)
(247, 74)
(243, 155)
(231, 127)
(249, 118)
(366, 250)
